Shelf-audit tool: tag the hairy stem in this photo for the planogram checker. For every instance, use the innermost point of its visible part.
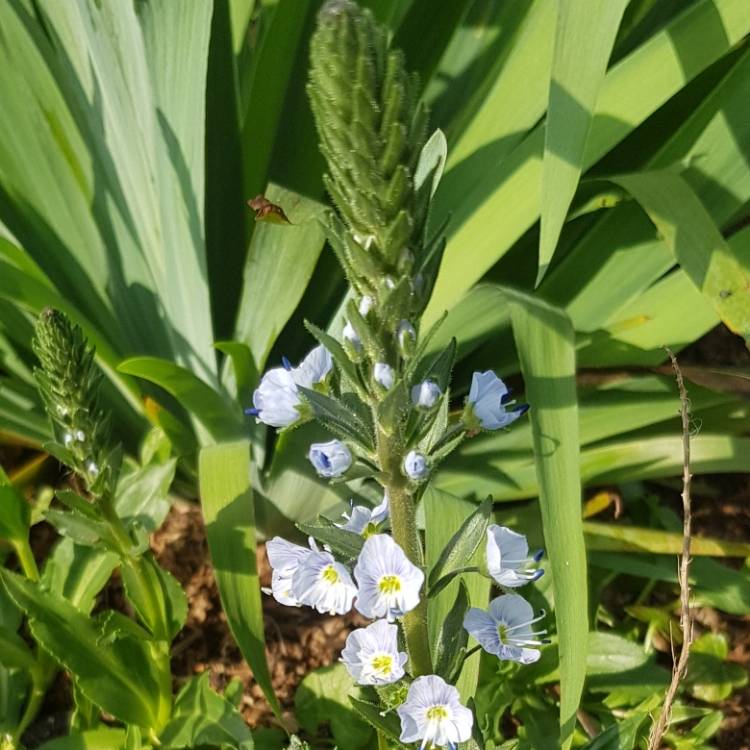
(406, 535)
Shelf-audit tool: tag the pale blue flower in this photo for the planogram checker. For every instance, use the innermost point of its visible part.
(330, 459)
(505, 630)
(371, 654)
(277, 400)
(485, 406)
(416, 466)
(433, 713)
(314, 368)
(508, 559)
(285, 558)
(365, 520)
(389, 583)
(384, 375)
(426, 394)
(323, 584)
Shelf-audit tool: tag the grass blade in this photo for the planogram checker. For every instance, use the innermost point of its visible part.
(545, 342)
(583, 43)
(229, 515)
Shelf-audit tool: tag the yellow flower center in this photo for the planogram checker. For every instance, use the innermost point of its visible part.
(436, 713)
(389, 584)
(369, 530)
(330, 575)
(502, 631)
(383, 664)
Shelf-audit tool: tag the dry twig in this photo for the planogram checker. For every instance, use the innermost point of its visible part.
(686, 620)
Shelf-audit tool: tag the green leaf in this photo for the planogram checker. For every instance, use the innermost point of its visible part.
(462, 545)
(213, 411)
(450, 646)
(81, 529)
(339, 419)
(203, 717)
(119, 677)
(698, 246)
(15, 514)
(443, 513)
(583, 42)
(244, 371)
(545, 342)
(431, 163)
(322, 698)
(618, 537)
(14, 653)
(142, 494)
(619, 736)
(343, 542)
(713, 584)
(512, 187)
(97, 739)
(710, 677)
(280, 264)
(227, 501)
(387, 724)
(171, 608)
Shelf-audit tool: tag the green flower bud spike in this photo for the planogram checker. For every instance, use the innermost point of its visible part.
(372, 130)
(69, 383)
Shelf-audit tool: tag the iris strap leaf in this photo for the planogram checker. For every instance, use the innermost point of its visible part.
(546, 347)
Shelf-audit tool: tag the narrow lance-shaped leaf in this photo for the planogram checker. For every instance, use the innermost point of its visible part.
(585, 34)
(546, 347)
(117, 676)
(462, 546)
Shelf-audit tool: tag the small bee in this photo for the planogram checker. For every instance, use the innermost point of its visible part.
(267, 211)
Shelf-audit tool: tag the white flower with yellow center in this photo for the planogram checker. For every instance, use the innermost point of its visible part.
(508, 558)
(285, 558)
(365, 521)
(371, 654)
(433, 713)
(389, 584)
(505, 630)
(324, 584)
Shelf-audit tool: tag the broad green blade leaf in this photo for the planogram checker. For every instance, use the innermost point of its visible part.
(280, 264)
(220, 419)
(616, 537)
(227, 501)
(631, 92)
(423, 34)
(698, 246)
(117, 676)
(443, 514)
(227, 214)
(545, 343)
(261, 107)
(585, 34)
(15, 513)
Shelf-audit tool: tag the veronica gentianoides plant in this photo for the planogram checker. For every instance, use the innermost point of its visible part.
(387, 403)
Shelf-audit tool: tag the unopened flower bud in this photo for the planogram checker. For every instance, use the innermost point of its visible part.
(383, 375)
(416, 466)
(426, 394)
(407, 338)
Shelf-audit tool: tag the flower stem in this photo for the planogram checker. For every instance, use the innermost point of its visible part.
(406, 535)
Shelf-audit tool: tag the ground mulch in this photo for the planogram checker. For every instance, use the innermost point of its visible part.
(298, 640)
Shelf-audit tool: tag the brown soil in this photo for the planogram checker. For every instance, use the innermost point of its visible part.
(297, 640)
